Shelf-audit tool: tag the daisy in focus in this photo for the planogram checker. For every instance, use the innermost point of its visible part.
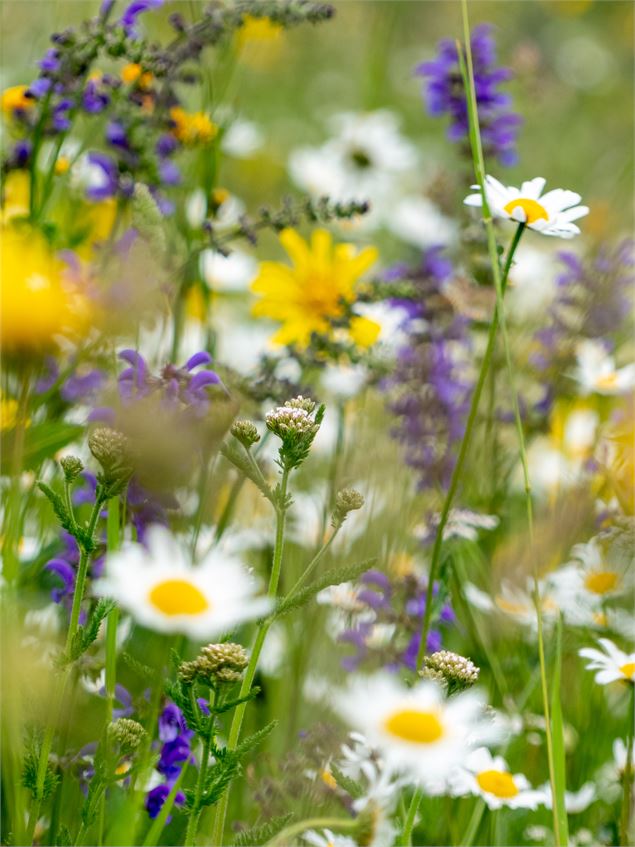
(488, 777)
(164, 592)
(316, 292)
(416, 730)
(611, 665)
(552, 213)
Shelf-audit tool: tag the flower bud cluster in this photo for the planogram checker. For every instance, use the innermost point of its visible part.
(245, 432)
(217, 664)
(126, 733)
(347, 500)
(455, 671)
(296, 426)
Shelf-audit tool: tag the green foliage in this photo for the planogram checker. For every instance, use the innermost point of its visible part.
(351, 786)
(41, 441)
(333, 576)
(262, 834)
(84, 539)
(29, 775)
(242, 461)
(147, 218)
(557, 731)
(87, 635)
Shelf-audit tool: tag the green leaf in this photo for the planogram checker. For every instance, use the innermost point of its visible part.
(87, 635)
(29, 774)
(557, 732)
(84, 539)
(262, 834)
(351, 786)
(333, 576)
(41, 441)
(240, 460)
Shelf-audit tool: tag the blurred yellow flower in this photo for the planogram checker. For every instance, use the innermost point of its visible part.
(133, 72)
(192, 127)
(259, 29)
(35, 305)
(15, 195)
(318, 288)
(8, 412)
(14, 99)
(62, 165)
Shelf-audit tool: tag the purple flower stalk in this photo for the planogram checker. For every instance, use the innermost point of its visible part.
(444, 94)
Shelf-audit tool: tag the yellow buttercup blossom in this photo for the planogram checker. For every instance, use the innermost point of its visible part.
(316, 290)
(192, 127)
(15, 195)
(133, 72)
(14, 99)
(259, 29)
(35, 305)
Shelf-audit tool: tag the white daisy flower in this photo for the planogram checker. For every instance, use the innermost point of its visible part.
(231, 273)
(164, 592)
(574, 801)
(589, 577)
(327, 838)
(417, 221)
(514, 601)
(461, 523)
(416, 730)
(488, 777)
(611, 665)
(596, 371)
(551, 214)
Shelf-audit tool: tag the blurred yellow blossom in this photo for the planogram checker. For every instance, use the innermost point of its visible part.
(133, 72)
(317, 289)
(36, 305)
(259, 29)
(192, 127)
(14, 99)
(15, 195)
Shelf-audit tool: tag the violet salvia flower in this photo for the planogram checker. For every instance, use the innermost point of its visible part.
(429, 391)
(157, 797)
(175, 752)
(445, 95)
(129, 18)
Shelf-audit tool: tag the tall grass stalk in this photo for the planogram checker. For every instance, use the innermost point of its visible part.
(467, 70)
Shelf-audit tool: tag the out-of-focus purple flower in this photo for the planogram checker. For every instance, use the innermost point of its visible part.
(116, 134)
(94, 98)
(172, 723)
(66, 572)
(445, 94)
(430, 388)
(40, 86)
(21, 153)
(50, 61)
(106, 177)
(83, 387)
(85, 493)
(50, 376)
(157, 797)
(60, 119)
(129, 18)
(169, 173)
(166, 145)
(409, 656)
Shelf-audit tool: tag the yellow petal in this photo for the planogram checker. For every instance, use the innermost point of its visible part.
(363, 331)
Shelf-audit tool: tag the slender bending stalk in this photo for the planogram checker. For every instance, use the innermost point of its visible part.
(286, 836)
(627, 796)
(250, 672)
(467, 69)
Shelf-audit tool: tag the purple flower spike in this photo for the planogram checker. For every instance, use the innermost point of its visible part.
(157, 797)
(202, 358)
(66, 573)
(106, 177)
(129, 18)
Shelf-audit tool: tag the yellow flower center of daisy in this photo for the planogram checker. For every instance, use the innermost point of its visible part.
(499, 783)
(532, 209)
(328, 779)
(414, 725)
(601, 582)
(628, 670)
(608, 380)
(600, 618)
(178, 597)
(510, 606)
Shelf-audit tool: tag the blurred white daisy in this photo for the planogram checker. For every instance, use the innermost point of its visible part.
(589, 576)
(488, 777)
(552, 213)
(514, 601)
(163, 591)
(366, 159)
(611, 665)
(417, 221)
(596, 371)
(574, 801)
(227, 273)
(461, 523)
(417, 731)
(242, 139)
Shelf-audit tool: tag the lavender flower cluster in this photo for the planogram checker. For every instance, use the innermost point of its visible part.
(444, 94)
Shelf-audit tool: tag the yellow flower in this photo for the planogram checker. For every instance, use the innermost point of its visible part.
(14, 99)
(259, 29)
(192, 127)
(62, 165)
(133, 72)
(35, 306)
(15, 195)
(317, 289)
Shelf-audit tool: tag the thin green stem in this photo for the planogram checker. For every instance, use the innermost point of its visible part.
(159, 822)
(314, 562)
(192, 824)
(283, 838)
(82, 570)
(462, 456)
(473, 824)
(627, 795)
(406, 833)
(467, 70)
(250, 672)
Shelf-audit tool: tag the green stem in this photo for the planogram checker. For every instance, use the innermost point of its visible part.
(314, 562)
(250, 672)
(159, 822)
(82, 570)
(192, 824)
(406, 834)
(627, 797)
(112, 542)
(283, 838)
(479, 168)
(474, 823)
(462, 456)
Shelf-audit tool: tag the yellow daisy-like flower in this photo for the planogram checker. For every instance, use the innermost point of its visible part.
(35, 305)
(14, 99)
(316, 290)
(259, 30)
(192, 127)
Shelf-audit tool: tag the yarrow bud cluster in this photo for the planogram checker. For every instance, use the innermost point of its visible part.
(457, 672)
(347, 500)
(126, 733)
(245, 432)
(110, 448)
(72, 467)
(296, 426)
(216, 664)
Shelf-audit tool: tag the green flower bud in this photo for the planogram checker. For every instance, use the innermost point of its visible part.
(126, 733)
(72, 467)
(347, 500)
(245, 432)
